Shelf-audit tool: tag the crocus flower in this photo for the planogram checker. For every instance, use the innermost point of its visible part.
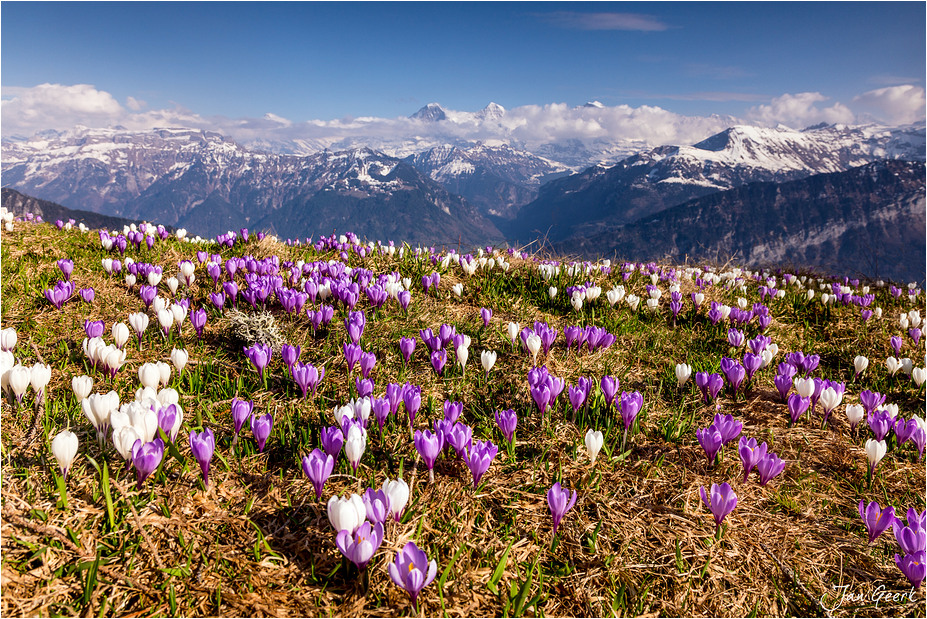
(871, 400)
(241, 410)
(66, 266)
(711, 441)
(429, 446)
(735, 373)
(259, 355)
(631, 404)
(881, 423)
(346, 514)
(332, 441)
(398, 492)
(260, 428)
(560, 502)
(307, 376)
(876, 519)
(911, 539)
(478, 458)
(594, 441)
(683, 372)
(377, 504)
(750, 454)
(452, 411)
(407, 347)
(146, 457)
(728, 427)
(875, 451)
(318, 466)
(709, 384)
(64, 448)
(488, 360)
(507, 421)
(438, 360)
(354, 444)
(94, 328)
(412, 571)
(203, 445)
(913, 567)
(609, 386)
(769, 467)
(360, 546)
(412, 398)
(797, 406)
(722, 502)
(783, 385)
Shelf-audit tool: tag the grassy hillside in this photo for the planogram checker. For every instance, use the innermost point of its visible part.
(638, 541)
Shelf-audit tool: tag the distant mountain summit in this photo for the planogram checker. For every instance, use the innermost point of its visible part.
(430, 113)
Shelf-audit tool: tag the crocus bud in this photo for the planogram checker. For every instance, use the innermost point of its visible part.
(513, 329)
(860, 363)
(149, 375)
(120, 334)
(683, 372)
(594, 441)
(346, 514)
(534, 345)
(64, 448)
(38, 378)
(179, 358)
(488, 359)
(875, 451)
(8, 339)
(82, 386)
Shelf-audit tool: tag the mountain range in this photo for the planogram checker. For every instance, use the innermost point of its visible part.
(482, 192)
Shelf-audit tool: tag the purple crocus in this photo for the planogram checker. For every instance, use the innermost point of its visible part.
(896, 343)
(198, 320)
(380, 407)
(259, 355)
(797, 407)
(66, 265)
(364, 387)
(752, 363)
(458, 435)
(86, 294)
(407, 347)
(485, 314)
(260, 428)
(876, 519)
(412, 571)
(734, 372)
(332, 441)
(710, 440)
(94, 328)
(577, 398)
(412, 398)
(367, 362)
(360, 546)
(146, 457)
(307, 377)
(290, 354)
(609, 386)
(709, 384)
(881, 423)
(631, 404)
(352, 354)
(203, 446)
(750, 454)
(871, 400)
(911, 539)
(241, 410)
(769, 467)
(318, 466)
(913, 567)
(560, 502)
(438, 361)
(783, 385)
(452, 410)
(728, 427)
(478, 458)
(722, 502)
(377, 504)
(507, 421)
(429, 446)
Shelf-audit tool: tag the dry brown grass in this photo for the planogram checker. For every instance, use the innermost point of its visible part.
(257, 543)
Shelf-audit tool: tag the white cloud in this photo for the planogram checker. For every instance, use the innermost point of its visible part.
(799, 111)
(603, 21)
(135, 104)
(895, 104)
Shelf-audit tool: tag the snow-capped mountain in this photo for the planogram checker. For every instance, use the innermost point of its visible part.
(656, 179)
(497, 179)
(209, 184)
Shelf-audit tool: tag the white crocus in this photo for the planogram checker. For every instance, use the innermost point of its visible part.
(860, 363)
(552, 292)
(39, 379)
(512, 330)
(875, 451)
(172, 284)
(683, 372)
(120, 334)
(804, 386)
(457, 289)
(893, 365)
(179, 358)
(919, 375)
(463, 353)
(180, 313)
(8, 339)
(398, 492)
(139, 322)
(488, 359)
(82, 386)
(18, 379)
(577, 300)
(346, 514)
(534, 345)
(149, 375)
(855, 414)
(64, 448)
(355, 444)
(165, 372)
(830, 399)
(594, 442)
(633, 301)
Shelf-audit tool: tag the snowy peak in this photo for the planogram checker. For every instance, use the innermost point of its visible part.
(430, 113)
(493, 111)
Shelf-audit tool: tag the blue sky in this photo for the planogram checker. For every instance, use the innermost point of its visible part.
(304, 61)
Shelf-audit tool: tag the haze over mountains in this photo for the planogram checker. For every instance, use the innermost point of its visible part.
(473, 192)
